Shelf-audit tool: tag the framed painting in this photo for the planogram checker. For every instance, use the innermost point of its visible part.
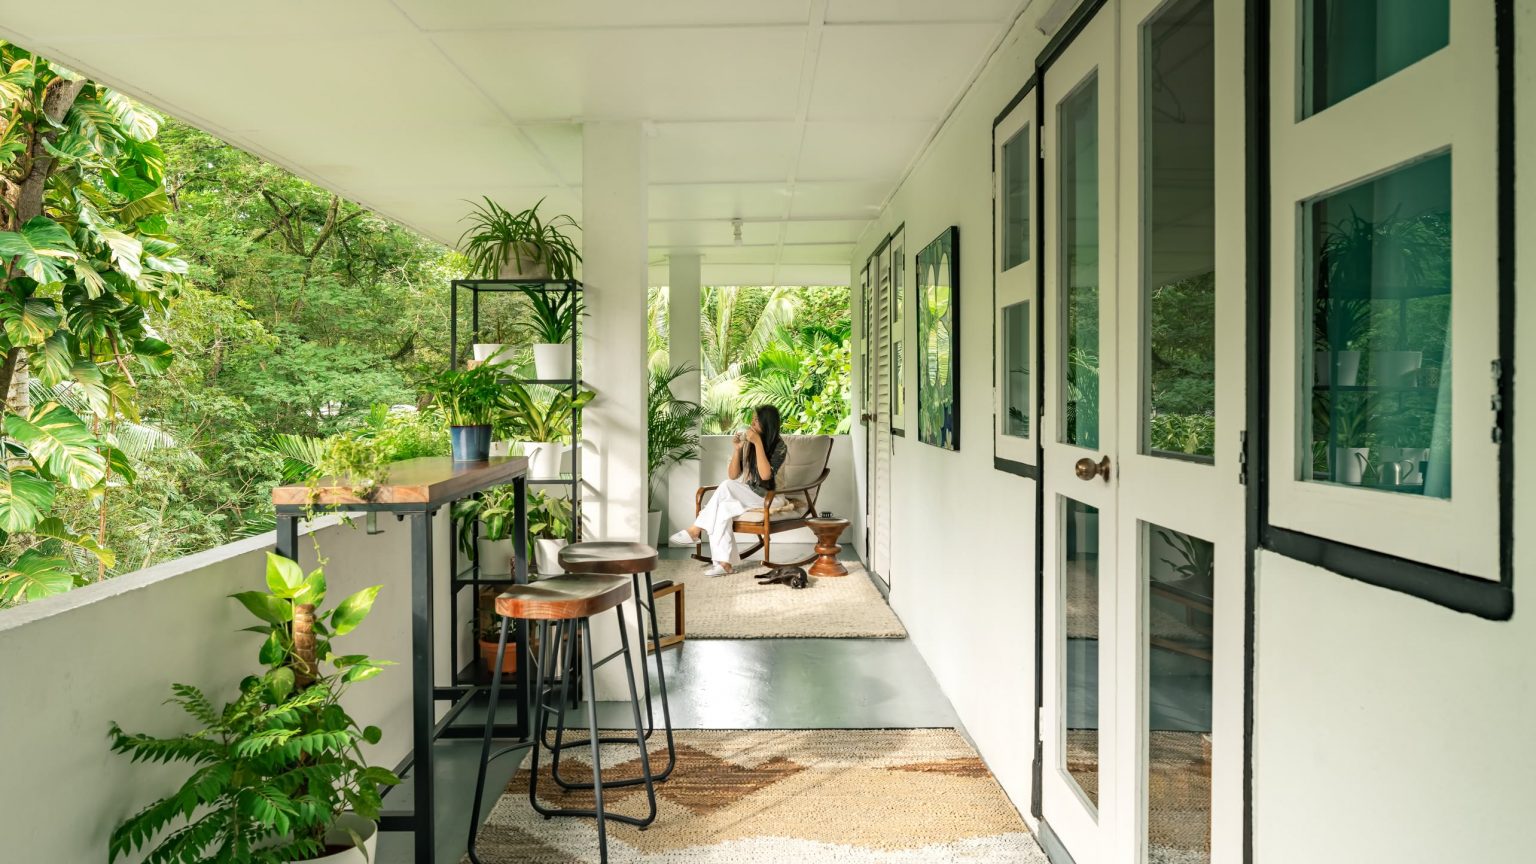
(938, 341)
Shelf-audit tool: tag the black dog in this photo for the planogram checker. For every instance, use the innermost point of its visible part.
(794, 577)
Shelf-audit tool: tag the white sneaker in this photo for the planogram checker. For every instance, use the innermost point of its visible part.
(716, 570)
(682, 538)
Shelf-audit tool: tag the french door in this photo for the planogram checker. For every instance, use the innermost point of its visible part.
(878, 431)
(1142, 525)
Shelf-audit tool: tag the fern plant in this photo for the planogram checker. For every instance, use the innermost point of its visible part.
(273, 769)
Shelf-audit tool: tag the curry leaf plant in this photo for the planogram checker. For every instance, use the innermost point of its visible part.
(271, 770)
(85, 261)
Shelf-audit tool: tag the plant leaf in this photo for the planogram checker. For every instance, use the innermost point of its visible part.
(60, 443)
(273, 610)
(284, 577)
(38, 249)
(353, 610)
(33, 576)
(24, 498)
(29, 321)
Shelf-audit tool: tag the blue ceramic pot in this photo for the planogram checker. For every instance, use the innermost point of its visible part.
(471, 443)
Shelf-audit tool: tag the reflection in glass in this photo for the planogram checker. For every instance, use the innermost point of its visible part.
(1379, 295)
(1180, 590)
(1016, 199)
(1179, 230)
(1080, 644)
(1016, 360)
(1348, 45)
(1079, 271)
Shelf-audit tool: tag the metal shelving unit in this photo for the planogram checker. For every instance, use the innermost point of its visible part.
(467, 575)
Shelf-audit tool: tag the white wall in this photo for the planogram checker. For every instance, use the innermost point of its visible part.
(963, 532)
(837, 495)
(1387, 728)
(75, 662)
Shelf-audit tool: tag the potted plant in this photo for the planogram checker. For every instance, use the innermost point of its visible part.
(549, 529)
(488, 634)
(672, 436)
(504, 245)
(470, 398)
(495, 510)
(541, 416)
(285, 742)
(552, 327)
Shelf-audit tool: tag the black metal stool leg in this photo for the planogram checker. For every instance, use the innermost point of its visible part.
(634, 706)
(585, 627)
(661, 680)
(485, 744)
(549, 651)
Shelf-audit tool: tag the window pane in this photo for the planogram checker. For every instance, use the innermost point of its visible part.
(1180, 590)
(1016, 360)
(1080, 637)
(1379, 268)
(1079, 276)
(1179, 230)
(1016, 199)
(1351, 44)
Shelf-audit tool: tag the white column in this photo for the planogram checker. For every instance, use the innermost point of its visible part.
(614, 270)
(683, 348)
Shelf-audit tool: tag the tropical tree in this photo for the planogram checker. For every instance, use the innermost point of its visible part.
(87, 261)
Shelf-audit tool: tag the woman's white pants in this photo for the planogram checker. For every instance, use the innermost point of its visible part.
(732, 499)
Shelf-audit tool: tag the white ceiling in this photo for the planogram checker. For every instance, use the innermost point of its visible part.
(797, 116)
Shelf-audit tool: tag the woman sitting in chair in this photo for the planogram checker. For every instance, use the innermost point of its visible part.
(758, 453)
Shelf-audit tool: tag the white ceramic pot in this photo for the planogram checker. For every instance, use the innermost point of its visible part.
(1349, 368)
(552, 361)
(543, 459)
(653, 528)
(1349, 464)
(1396, 368)
(493, 352)
(546, 555)
(338, 835)
(520, 265)
(495, 558)
(501, 449)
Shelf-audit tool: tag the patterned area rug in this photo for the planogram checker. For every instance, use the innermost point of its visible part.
(737, 607)
(769, 797)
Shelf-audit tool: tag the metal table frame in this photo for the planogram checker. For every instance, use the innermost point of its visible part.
(425, 693)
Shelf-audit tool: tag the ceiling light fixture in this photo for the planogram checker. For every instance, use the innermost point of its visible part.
(736, 229)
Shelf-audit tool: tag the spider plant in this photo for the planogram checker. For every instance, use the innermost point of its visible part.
(497, 237)
(554, 315)
(672, 427)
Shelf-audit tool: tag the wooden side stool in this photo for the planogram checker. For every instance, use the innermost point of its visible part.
(680, 632)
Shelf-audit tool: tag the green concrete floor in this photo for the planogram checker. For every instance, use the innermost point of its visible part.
(728, 684)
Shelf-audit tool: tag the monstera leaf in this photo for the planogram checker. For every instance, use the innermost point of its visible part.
(30, 321)
(60, 443)
(25, 499)
(34, 575)
(39, 249)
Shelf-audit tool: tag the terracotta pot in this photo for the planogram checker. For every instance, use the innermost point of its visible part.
(488, 656)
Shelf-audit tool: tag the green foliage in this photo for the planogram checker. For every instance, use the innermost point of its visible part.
(1181, 377)
(86, 264)
(272, 769)
(806, 374)
(495, 508)
(494, 233)
(672, 426)
(554, 315)
(469, 397)
(549, 516)
(535, 412)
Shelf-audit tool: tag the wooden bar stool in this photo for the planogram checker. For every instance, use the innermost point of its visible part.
(618, 558)
(565, 604)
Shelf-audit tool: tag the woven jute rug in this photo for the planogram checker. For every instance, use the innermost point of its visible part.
(780, 797)
(735, 606)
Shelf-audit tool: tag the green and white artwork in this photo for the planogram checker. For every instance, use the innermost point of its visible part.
(938, 341)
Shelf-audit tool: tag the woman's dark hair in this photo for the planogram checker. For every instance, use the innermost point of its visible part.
(768, 420)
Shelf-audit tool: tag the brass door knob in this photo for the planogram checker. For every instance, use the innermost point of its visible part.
(1087, 469)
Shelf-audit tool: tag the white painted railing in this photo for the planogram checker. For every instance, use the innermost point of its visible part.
(71, 664)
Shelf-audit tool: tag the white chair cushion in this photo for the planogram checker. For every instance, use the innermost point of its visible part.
(808, 455)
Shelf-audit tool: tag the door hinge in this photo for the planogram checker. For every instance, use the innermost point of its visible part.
(1040, 140)
(1496, 404)
(1242, 458)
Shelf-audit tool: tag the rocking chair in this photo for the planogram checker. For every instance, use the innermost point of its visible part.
(788, 505)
